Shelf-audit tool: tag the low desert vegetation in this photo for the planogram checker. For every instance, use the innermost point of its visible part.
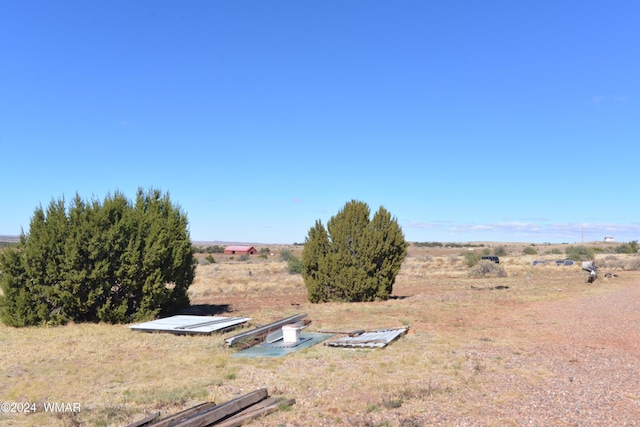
(294, 265)
(499, 250)
(487, 269)
(554, 251)
(286, 254)
(471, 258)
(119, 376)
(627, 248)
(215, 249)
(447, 245)
(580, 253)
(616, 262)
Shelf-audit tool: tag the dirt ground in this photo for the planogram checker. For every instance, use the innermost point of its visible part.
(576, 362)
(542, 349)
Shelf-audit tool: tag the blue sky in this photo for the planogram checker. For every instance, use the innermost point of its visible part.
(469, 121)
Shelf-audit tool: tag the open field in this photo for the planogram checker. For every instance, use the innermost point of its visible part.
(548, 350)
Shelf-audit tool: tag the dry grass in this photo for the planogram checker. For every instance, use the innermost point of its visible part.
(118, 376)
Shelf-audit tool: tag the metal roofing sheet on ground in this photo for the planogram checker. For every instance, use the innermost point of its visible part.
(266, 330)
(185, 324)
(283, 344)
(266, 350)
(375, 339)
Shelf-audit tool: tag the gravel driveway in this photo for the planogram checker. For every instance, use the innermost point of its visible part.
(581, 368)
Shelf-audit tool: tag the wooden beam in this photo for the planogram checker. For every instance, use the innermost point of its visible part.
(183, 415)
(255, 407)
(255, 411)
(223, 410)
(145, 421)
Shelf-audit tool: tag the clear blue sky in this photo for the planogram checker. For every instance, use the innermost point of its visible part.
(468, 121)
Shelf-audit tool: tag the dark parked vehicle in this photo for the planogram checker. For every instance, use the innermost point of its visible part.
(492, 259)
(536, 262)
(565, 262)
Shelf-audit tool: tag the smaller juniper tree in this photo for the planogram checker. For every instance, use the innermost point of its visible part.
(355, 258)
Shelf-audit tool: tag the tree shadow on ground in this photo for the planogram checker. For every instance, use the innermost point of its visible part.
(207, 309)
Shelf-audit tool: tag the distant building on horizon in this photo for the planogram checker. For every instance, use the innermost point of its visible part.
(608, 239)
(240, 250)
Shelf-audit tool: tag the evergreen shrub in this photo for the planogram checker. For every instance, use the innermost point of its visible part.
(116, 261)
(355, 258)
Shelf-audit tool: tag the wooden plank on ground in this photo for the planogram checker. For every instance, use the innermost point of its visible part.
(256, 411)
(145, 421)
(255, 407)
(178, 417)
(223, 410)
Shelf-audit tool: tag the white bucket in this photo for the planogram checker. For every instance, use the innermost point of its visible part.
(291, 333)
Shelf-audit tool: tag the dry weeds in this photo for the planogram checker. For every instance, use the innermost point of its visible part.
(475, 347)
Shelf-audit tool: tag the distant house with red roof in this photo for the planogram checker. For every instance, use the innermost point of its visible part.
(240, 250)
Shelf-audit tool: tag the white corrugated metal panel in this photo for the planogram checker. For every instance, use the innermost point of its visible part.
(375, 339)
(184, 324)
